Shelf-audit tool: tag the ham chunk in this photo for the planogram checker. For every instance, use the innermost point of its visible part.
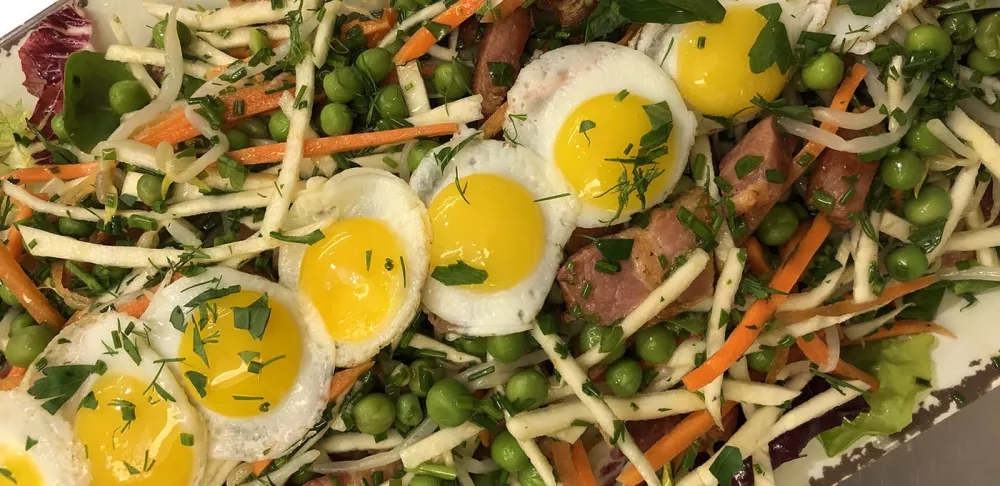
(843, 180)
(655, 250)
(503, 43)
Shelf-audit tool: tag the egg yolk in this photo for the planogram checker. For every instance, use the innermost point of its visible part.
(21, 469)
(132, 437)
(715, 79)
(491, 224)
(355, 276)
(616, 126)
(244, 375)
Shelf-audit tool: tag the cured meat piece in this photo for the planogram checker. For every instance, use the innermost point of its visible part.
(503, 43)
(569, 13)
(843, 180)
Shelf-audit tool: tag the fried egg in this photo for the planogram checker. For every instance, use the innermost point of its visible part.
(584, 107)
(856, 33)
(251, 356)
(129, 413)
(37, 448)
(366, 274)
(710, 63)
(500, 217)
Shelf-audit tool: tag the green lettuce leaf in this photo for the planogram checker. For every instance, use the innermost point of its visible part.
(87, 112)
(903, 368)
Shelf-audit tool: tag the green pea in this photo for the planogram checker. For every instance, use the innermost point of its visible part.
(906, 263)
(254, 127)
(362, 106)
(336, 119)
(592, 335)
(507, 348)
(449, 403)
(58, 125)
(507, 453)
(902, 170)
(527, 389)
(75, 228)
(21, 323)
(961, 26)
(932, 204)
(988, 35)
(258, 40)
(452, 80)
(375, 63)
(277, 126)
(27, 344)
(487, 479)
(303, 475)
(408, 411)
(761, 360)
(127, 96)
(979, 61)
(475, 346)
(394, 46)
(374, 413)
(237, 139)
(920, 139)
(389, 102)
(418, 152)
(928, 38)
(825, 71)
(183, 33)
(424, 480)
(778, 225)
(529, 477)
(655, 344)
(624, 377)
(426, 368)
(343, 84)
(8, 297)
(150, 189)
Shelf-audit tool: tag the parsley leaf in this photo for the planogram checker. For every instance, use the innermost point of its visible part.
(253, 318)
(728, 463)
(309, 239)
(459, 273)
(501, 73)
(232, 170)
(772, 46)
(865, 8)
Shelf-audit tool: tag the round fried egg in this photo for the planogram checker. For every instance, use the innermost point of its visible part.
(586, 109)
(710, 63)
(366, 274)
(500, 217)
(251, 356)
(129, 412)
(37, 448)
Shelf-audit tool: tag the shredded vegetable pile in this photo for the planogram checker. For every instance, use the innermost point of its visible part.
(486, 242)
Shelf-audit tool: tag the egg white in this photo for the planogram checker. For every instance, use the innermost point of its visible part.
(855, 33)
(511, 310)
(551, 87)
(57, 456)
(375, 194)
(267, 435)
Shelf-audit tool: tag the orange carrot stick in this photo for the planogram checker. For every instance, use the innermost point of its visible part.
(786, 248)
(13, 379)
(344, 379)
(848, 306)
(266, 154)
(505, 8)
(375, 29)
(818, 353)
(781, 354)
(762, 310)
(494, 124)
(562, 458)
(32, 299)
(14, 239)
(695, 425)
(903, 328)
(259, 466)
(756, 259)
(582, 463)
(45, 173)
(422, 40)
(137, 307)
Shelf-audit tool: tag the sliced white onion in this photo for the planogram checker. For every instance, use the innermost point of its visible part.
(850, 121)
(833, 141)
(795, 368)
(976, 273)
(951, 141)
(833, 344)
(421, 432)
(979, 112)
(876, 89)
(911, 96)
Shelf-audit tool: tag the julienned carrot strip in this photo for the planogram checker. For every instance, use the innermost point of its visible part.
(582, 463)
(786, 248)
(485, 437)
(562, 458)
(494, 124)
(32, 299)
(14, 239)
(259, 466)
(375, 29)
(756, 259)
(695, 425)
(904, 328)
(629, 34)
(780, 360)
(45, 173)
(762, 310)
(818, 353)
(422, 40)
(173, 127)
(500, 11)
(266, 154)
(137, 307)
(848, 306)
(344, 379)
(13, 379)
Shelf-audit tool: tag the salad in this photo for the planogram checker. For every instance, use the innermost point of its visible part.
(486, 242)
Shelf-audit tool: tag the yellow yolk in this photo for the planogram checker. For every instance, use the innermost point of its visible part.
(716, 79)
(123, 452)
(244, 376)
(616, 125)
(499, 230)
(19, 465)
(354, 277)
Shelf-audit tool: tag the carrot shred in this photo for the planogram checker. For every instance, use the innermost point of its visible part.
(45, 173)
(756, 259)
(582, 463)
(633, 29)
(485, 437)
(848, 306)
(781, 355)
(505, 8)
(266, 154)
(27, 293)
(786, 248)
(344, 379)
(13, 379)
(137, 307)
(762, 310)
(818, 353)
(903, 328)
(422, 40)
(672, 445)
(562, 458)
(375, 29)
(259, 466)
(15, 242)
(494, 124)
